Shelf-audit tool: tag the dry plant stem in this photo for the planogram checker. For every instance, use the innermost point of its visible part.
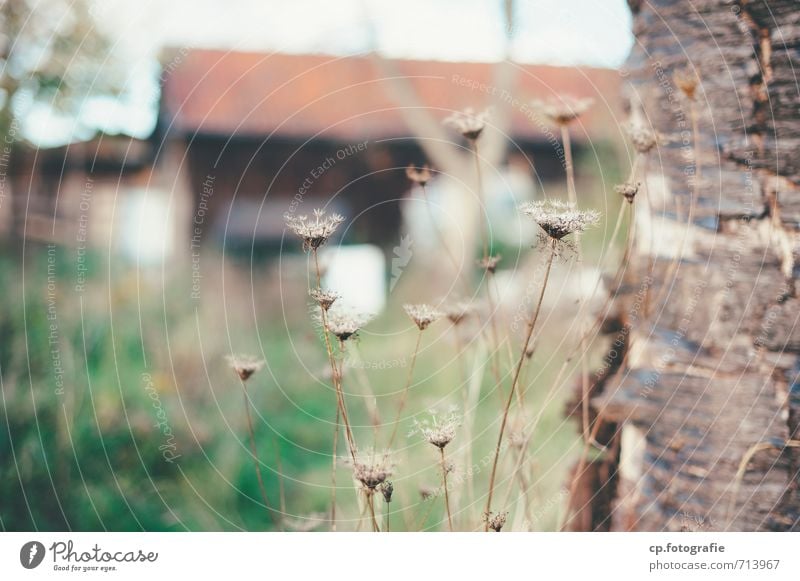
(371, 507)
(481, 201)
(515, 379)
(404, 395)
(598, 320)
(363, 379)
(336, 376)
(568, 167)
(254, 451)
(573, 198)
(333, 468)
(446, 493)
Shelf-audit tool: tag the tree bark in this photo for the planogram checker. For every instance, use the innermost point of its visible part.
(704, 371)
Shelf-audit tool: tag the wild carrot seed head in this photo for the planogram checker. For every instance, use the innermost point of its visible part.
(423, 315)
(426, 492)
(457, 311)
(687, 81)
(420, 175)
(324, 298)
(642, 137)
(314, 232)
(345, 325)
(559, 219)
(563, 110)
(489, 264)
(244, 365)
(440, 429)
(469, 123)
(628, 190)
(371, 469)
(496, 521)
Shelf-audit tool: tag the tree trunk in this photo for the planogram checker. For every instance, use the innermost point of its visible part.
(702, 402)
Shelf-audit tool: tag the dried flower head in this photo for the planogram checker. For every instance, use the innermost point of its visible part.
(423, 315)
(496, 521)
(386, 488)
(371, 469)
(642, 138)
(345, 325)
(687, 81)
(314, 233)
(469, 123)
(559, 219)
(439, 429)
(628, 190)
(244, 365)
(324, 298)
(563, 110)
(420, 175)
(427, 492)
(490, 263)
(457, 311)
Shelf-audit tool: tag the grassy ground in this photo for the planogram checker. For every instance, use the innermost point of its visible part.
(120, 413)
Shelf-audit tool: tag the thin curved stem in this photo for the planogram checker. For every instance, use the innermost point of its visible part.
(515, 379)
(337, 385)
(371, 506)
(446, 493)
(254, 451)
(333, 468)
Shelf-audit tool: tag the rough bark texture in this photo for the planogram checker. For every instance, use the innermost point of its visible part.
(711, 345)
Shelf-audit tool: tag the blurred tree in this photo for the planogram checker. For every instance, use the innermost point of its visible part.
(51, 55)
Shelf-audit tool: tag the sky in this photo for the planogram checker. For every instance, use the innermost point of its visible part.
(559, 32)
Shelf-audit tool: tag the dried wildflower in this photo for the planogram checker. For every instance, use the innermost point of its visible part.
(371, 469)
(244, 365)
(427, 492)
(386, 488)
(496, 521)
(417, 175)
(457, 311)
(642, 138)
(345, 325)
(559, 219)
(468, 123)
(439, 430)
(422, 315)
(628, 190)
(314, 233)
(490, 263)
(687, 81)
(563, 110)
(324, 298)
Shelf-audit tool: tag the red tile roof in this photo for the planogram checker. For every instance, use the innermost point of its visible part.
(299, 96)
